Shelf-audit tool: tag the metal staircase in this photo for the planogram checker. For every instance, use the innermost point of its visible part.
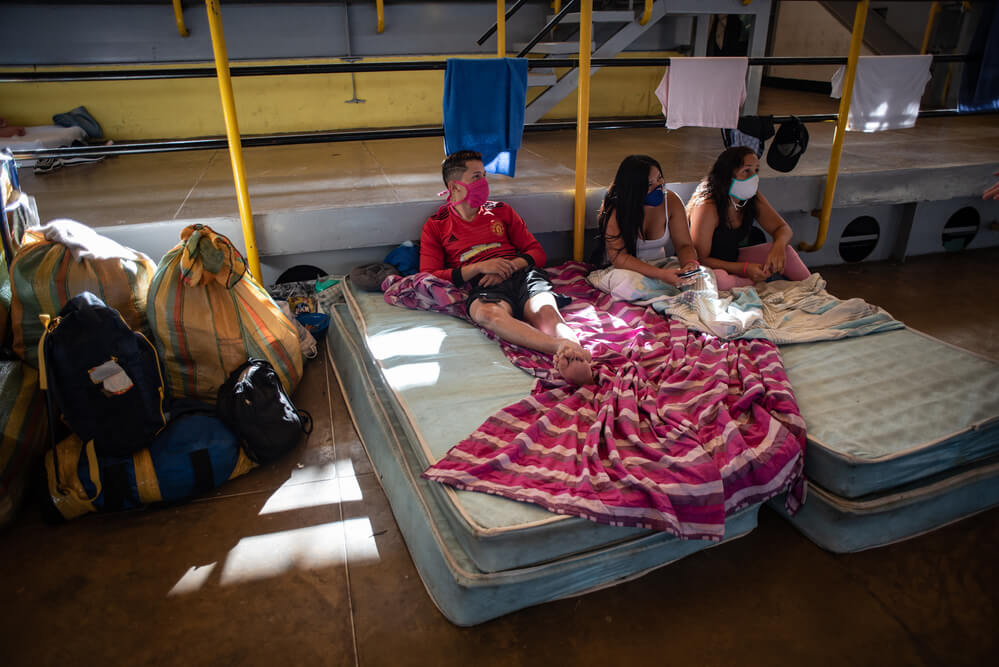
(879, 36)
(616, 29)
(557, 89)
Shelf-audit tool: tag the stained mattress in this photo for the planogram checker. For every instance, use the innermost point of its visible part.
(416, 383)
(846, 525)
(903, 437)
(892, 408)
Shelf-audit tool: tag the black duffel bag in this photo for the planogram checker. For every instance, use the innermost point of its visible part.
(253, 403)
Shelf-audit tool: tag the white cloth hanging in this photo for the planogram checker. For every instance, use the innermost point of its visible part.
(886, 91)
(703, 92)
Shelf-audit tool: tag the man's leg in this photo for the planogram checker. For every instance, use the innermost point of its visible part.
(571, 360)
(498, 318)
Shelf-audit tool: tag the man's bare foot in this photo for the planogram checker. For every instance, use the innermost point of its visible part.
(573, 363)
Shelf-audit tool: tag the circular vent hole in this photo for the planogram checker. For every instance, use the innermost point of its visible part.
(960, 229)
(859, 239)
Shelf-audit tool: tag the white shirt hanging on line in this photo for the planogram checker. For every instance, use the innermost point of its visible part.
(886, 91)
(703, 92)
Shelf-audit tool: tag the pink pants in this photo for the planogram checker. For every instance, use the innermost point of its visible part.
(794, 268)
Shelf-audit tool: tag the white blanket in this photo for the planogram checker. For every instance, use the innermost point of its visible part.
(84, 243)
(781, 311)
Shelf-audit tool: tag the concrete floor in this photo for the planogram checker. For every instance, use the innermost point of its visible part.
(302, 562)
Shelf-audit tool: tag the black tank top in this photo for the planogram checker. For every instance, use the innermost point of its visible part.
(725, 242)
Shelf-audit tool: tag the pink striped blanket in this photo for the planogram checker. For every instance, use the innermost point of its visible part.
(682, 429)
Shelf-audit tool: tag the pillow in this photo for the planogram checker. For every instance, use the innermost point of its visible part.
(627, 285)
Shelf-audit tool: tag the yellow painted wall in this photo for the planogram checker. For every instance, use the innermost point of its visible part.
(184, 108)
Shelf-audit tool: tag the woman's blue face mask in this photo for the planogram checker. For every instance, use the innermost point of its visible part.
(656, 197)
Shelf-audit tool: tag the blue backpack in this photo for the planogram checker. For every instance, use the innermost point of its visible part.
(104, 378)
(194, 454)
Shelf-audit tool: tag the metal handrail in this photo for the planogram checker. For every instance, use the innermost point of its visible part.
(233, 138)
(548, 26)
(582, 127)
(856, 41)
(930, 20)
(390, 66)
(510, 12)
(178, 14)
(291, 139)
(646, 13)
(500, 29)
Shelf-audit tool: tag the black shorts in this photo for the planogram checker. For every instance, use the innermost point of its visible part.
(516, 290)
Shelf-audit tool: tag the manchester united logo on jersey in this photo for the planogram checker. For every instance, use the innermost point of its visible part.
(498, 228)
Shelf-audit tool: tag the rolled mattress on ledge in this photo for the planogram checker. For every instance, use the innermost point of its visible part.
(416, 383)
(42, 136)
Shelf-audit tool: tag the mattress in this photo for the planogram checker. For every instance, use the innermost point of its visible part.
(903, 437)
(416, 383)
(845, 525)
(43, 136)
(892, 408)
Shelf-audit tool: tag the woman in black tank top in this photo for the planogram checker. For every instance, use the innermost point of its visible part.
(722, 211)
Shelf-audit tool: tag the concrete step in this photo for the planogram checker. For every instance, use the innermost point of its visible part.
(554, 48)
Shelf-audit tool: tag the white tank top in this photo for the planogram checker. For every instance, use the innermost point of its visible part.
(649, 249)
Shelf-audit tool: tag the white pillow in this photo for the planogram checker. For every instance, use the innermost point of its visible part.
(627, 285)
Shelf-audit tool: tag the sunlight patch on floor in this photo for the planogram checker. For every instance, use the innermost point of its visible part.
(265, 556)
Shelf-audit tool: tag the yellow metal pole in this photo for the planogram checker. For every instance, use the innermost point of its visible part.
(856, 40)
(232, 134)
(647, 13)
(930, 20)
(380, 6)
(178, 13)
(582, 125)
(557, 7)
(500, 29)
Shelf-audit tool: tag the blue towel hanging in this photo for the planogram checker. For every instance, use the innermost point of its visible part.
(484, 109)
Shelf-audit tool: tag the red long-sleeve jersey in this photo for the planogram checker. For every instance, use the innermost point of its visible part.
(449, 242)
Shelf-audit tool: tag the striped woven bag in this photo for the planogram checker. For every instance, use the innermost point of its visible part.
(23, 432)
(208, 316)
(22, 214)
(46, 275)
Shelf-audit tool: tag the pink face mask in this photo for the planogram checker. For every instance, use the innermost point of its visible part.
(476, 193)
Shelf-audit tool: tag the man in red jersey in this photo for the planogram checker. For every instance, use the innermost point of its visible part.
(486, 246)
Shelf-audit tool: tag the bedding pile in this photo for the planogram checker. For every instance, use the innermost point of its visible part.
(783, 311)
(682, 428)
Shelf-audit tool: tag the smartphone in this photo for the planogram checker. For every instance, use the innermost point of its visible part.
(689, 274)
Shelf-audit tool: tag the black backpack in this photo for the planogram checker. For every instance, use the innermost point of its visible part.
(252, 402)
(102, 377)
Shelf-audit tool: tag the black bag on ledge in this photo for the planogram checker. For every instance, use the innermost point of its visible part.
(253, 403)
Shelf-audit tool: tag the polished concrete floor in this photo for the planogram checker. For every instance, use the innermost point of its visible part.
(301, 562)
(199, 184)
